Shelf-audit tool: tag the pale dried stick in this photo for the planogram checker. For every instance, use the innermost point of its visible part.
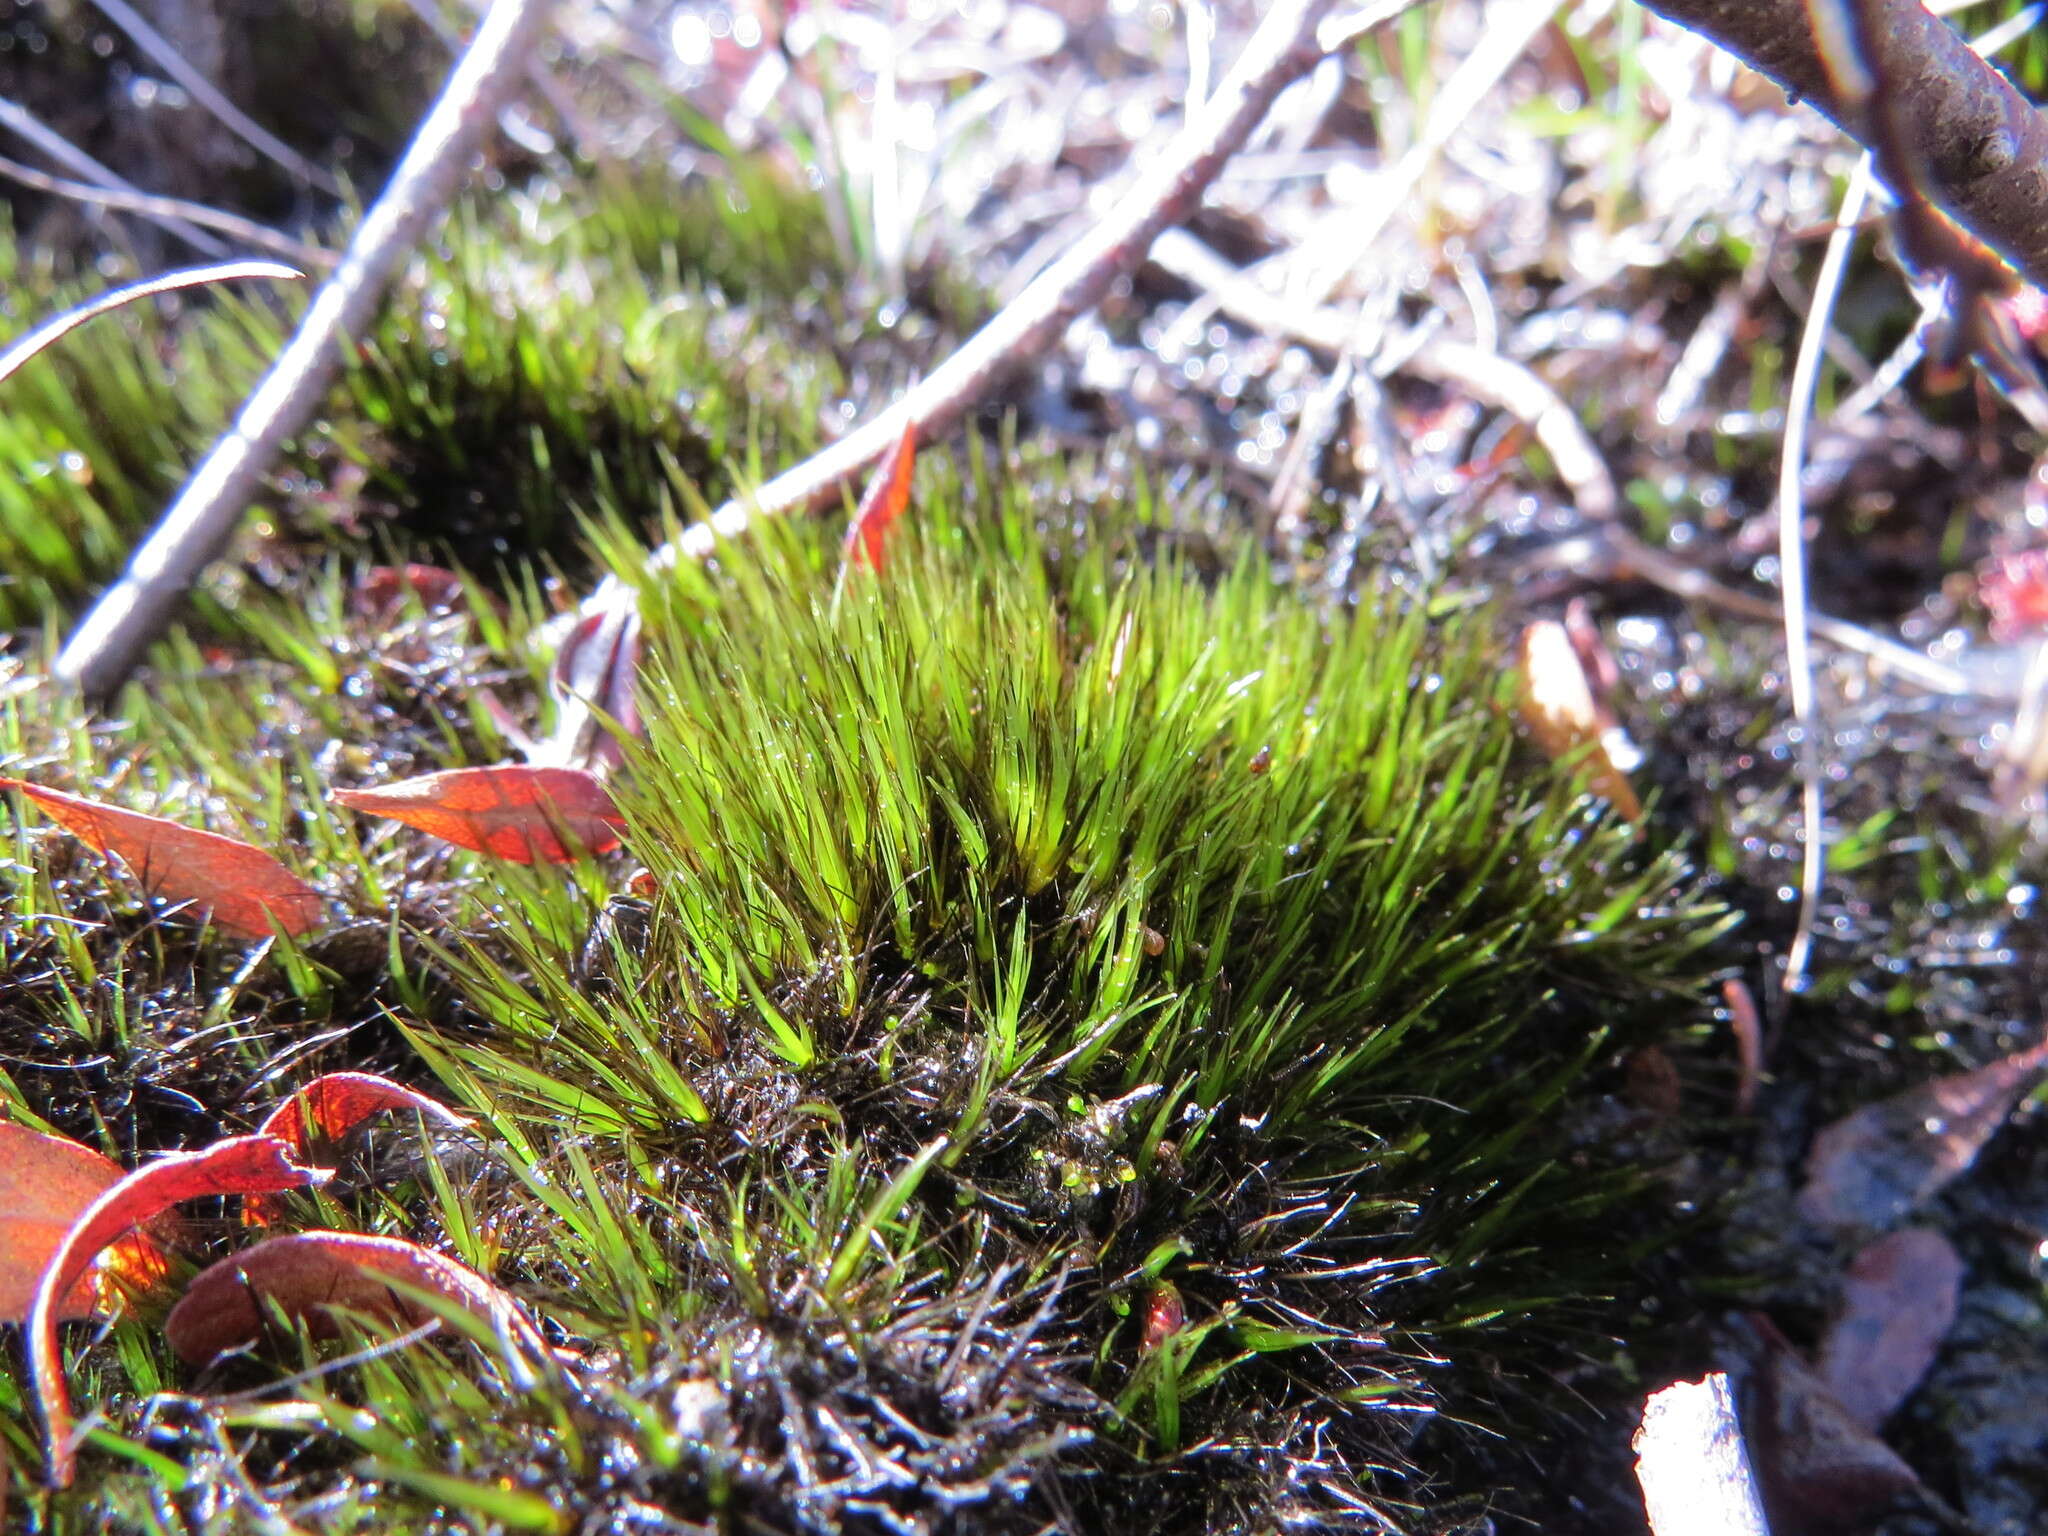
(1282, 49)
(210, 96)
(152, 205)
(29, 128)
(1488, 377)
(101, 651)
(164, 282)
(1792, 562)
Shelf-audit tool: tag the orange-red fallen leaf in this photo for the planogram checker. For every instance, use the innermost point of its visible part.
(1872, 1168)
(1899, 1300)
(1558, 707)
(327, 1109)
(44, 1184)
(884, 501)
(240, 1165)
(308, 1273)
(515, 811)
(243, 887)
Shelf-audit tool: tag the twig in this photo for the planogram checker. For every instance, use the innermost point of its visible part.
(1909, 352)
(1982, 148)
(25, 125)
(164, 282)
(210, 96)
(101, 651)
(1792, 561)
(1488, 377)
(152, 205)
(1630, 556)
(1280, 51)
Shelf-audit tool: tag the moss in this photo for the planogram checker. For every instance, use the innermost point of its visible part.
(1068, 933)
(549, 362)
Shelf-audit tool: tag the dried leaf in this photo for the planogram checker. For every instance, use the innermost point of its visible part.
(885, 500)
(1558, 707)
(45, 1181)
(1693, 1464)
(513, 811)
(240, 1165)
(595, 682)
(307, 1273)
(1874, 1167)
(1820, 1469)
(1899, 1301)
(327, 1109)
(242, 887)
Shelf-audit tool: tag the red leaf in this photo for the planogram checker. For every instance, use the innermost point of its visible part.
(243, 887)
(45, 1181)
(1873, 1167)
(240, 1165)
(1820, 1469)
(884, 501)
(308, 1273)
(1898, 1303)
(329, 1108)
(513, 811)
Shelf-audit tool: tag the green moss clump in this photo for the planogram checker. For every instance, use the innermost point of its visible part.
(1091, 918)
(549, 362)
(1110, 1041)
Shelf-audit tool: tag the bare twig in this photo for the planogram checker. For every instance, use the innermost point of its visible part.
(151, 205)
(164, 282)
(1282, 49)
(208, 95)
(1489, 377)
(30, 129)
(1792, 562)
(1981, 148)
(101, 651)
(1628, 555)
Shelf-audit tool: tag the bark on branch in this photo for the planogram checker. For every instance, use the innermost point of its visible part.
(1981, 147)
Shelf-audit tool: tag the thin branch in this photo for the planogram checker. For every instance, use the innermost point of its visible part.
(212, 98)
(101, 651)
(1981, 149)
(1280, 51)
(1489, 377)
(1792, 562)
(1626, 555)
(30, 129)
(164, 282)
(151, 205)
